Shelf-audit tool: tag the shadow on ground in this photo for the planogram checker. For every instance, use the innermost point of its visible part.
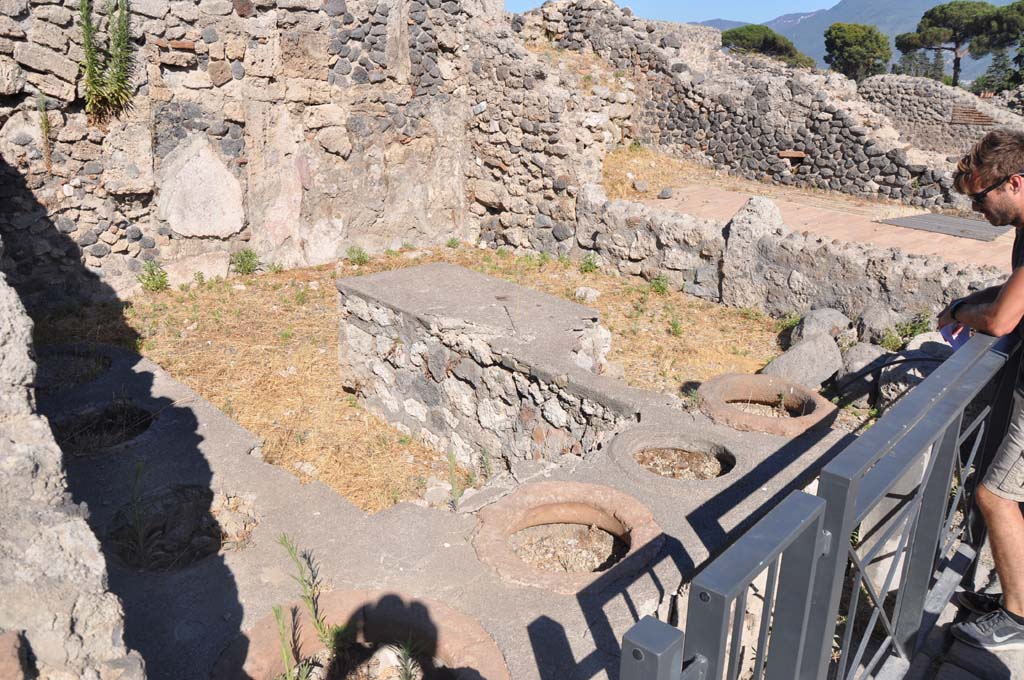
(127, 482)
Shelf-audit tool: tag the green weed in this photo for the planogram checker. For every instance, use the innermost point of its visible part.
(659, 284)
(357, 255)
(787, 322)
(153, 277)
(245, 261)
(107, 73)
(675, 328)
(588, 264)
(453, 243)
(891, 340)
(307, 575)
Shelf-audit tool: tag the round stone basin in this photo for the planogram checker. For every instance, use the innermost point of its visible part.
(588, 509)
(101, 429)
(458, 643)
(763, 403)
(673, 458)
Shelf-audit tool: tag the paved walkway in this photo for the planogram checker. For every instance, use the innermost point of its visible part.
(841, 218)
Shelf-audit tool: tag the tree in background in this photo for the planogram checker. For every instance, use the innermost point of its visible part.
(763, 40)
(998, 77)
(913, 63)
(959, 27)
(857, 51)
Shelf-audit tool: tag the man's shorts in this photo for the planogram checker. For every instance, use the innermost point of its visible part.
(1005, 476)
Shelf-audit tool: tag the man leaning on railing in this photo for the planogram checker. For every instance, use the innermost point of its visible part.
(992, 176)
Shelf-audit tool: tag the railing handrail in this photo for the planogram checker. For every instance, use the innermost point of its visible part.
(923, 427)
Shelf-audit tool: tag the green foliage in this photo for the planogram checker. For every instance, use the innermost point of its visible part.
(153, 277)
(857, 51)
(787, 322)
(763, 40)
(892, 340)
(915, 63)
(307, 575)
(961, 27)
(275, 268)
(453, 242)
(659, 284)
(635, 146)
(357, 255)
(107, 73)
(675, 327)
(588, 264)
(920, 323)
(245, 261)
(998, 77)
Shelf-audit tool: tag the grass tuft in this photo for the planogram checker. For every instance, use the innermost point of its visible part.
(153, 277)
(357, 255)
(245, 261)
(659, 284)
(588, 264)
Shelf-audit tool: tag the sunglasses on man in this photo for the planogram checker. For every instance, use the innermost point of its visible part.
(980, 196)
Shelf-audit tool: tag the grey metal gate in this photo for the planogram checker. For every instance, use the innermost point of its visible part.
(904, 490)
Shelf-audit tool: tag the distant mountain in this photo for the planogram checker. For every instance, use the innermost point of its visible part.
(892, 17)
(723, 24)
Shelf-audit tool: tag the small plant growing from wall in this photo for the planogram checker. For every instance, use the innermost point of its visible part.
(44, 131)
(107, 71)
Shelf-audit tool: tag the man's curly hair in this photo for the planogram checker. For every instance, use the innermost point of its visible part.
(998, 154)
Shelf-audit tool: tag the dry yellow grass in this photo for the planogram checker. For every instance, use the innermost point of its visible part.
(636, 162)
(263, 348)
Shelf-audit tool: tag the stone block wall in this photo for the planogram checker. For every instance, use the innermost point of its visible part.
(741, 114)
(934, 116)
(756, 261)
(298, 128)
(52, 574)
(458, 384)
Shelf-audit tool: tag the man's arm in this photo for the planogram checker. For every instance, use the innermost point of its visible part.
(998, 316)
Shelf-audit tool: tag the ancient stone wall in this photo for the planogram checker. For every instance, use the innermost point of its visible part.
(934, 116)
(754, 116)
(464, 385)
(52, 574)
(756, 261)
(298, 128)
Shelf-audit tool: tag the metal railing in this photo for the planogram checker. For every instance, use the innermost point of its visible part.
(847, 573)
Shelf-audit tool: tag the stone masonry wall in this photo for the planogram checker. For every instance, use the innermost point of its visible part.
(52, 574)
(934, 116)
(444, 381)
(741, 114)
(296, 127)
(756, 261)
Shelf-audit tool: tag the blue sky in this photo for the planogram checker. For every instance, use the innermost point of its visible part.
(701, 10)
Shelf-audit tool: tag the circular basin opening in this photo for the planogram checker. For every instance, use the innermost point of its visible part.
(783, 406)
(178, 527)
(407, 660)
(96, 429)
(677, 463)
(763, 403)
(568, 548)
(63, 369)
(564, 536)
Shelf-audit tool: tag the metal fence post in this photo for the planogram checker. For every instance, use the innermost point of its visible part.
(922, 552)
(651, 650)
(840, 494)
